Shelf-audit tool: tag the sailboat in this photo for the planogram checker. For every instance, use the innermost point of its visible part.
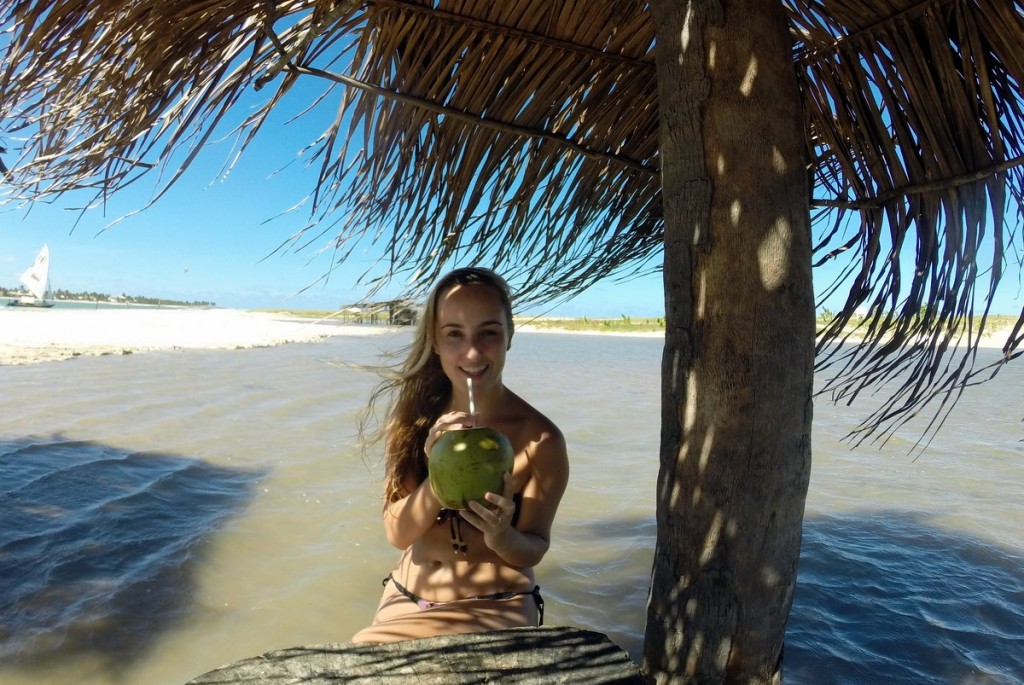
(37, 280)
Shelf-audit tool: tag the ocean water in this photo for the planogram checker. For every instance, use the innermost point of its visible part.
(163, 514)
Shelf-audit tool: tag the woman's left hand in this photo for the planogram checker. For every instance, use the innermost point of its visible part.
(494, 521)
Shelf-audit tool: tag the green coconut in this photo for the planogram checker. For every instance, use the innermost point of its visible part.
(467, 464)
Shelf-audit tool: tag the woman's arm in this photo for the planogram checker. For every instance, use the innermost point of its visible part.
(408, 519)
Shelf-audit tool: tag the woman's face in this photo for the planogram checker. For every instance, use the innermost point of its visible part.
(471, 335)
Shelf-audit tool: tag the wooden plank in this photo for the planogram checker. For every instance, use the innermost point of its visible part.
(529, 656)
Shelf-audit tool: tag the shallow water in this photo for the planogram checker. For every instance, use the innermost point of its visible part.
(163, 514)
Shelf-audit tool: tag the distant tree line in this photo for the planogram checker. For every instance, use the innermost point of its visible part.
(87, 296)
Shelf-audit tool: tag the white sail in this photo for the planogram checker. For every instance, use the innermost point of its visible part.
(37, 277)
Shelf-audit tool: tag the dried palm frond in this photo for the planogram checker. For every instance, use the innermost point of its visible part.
(524, 135)
(914, 116)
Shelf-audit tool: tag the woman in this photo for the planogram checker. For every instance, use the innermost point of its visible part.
(470, 570)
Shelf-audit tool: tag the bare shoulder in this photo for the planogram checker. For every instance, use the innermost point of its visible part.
(533, 431)
(548, 436)
(542, 466)
(544, 445)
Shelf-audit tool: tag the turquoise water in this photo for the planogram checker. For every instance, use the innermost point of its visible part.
(162, 514)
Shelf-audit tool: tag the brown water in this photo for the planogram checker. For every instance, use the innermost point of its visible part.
(163, 514)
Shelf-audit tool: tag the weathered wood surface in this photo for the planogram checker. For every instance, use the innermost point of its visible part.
(523, 655)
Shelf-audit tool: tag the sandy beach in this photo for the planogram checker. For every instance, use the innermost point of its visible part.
(994, 339)
(37, 335)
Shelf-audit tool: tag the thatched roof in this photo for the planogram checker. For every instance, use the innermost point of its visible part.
(525, 133)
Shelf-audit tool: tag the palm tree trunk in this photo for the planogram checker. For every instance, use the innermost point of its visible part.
(739, 346)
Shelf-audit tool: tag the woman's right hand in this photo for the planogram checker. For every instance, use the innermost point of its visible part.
(452, 421)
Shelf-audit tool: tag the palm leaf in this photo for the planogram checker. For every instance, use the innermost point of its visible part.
(525, 134)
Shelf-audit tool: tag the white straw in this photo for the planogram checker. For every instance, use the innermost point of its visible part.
(472, 403)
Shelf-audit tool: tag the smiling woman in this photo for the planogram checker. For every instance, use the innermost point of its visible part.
(467, 570)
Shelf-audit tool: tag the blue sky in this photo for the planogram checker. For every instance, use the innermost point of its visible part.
(211, 238)
(209, 242)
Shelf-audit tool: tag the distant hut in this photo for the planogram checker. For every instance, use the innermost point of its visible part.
(392, 313)
(404, 313)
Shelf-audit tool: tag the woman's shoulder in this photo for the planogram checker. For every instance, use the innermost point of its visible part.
(532, 420)
(547, 430)
(546, 452)
(537, 433)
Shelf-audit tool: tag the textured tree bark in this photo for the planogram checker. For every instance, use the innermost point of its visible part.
(524, 656)
(739, 346)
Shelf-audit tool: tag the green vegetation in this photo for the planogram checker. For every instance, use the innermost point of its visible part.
(623, 324)
(995, 322)
(304, 313)
(104, 297)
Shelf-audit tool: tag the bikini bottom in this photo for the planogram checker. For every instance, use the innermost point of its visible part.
(427, 604)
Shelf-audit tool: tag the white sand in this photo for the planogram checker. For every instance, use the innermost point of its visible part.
(35, 335)
(993, 339)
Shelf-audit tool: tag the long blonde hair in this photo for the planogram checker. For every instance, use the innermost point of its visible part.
(419, 390)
